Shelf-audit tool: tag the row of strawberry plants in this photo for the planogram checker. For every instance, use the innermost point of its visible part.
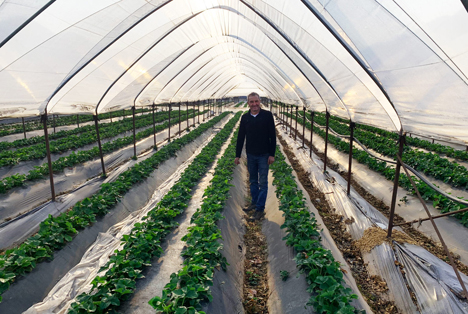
(9, 129)
(428, 194)
(323, 273)
(64, 133)
(239, 103)
(429, 163)
(191, 285)
(79, 157)
(413, 141)
(144, 241)
(37, 151)
(55, 232)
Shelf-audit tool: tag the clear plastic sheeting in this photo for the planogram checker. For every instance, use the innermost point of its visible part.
(431, 280)
(78, 279)
(396, 64)
(34, 288)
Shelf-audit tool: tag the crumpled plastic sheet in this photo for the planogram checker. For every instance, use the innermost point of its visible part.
(437, 299)
(78, 279)
(79, 183)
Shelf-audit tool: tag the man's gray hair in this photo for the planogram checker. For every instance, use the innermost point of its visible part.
(252, 94)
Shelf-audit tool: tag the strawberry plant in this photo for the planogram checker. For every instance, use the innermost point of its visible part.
(39, 172)
(55, 232)
(323, 273)
(191, 285)
(144, 241)
(439, 201)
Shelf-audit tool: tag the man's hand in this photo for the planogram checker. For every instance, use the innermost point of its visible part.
(271, 160)
(236, 161)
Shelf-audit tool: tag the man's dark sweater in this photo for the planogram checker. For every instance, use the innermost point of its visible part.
(260, 134)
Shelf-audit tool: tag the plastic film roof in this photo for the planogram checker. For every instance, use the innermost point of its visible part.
(395, 64)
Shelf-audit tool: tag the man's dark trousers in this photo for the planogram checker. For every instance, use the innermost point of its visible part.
(258, 171)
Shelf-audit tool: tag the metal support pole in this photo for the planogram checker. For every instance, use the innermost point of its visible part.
(95, 117)
(401, 141)
(433, 217)
(134, 136)
(169, 128)
(452, 262)
(303, 127)
(198, 111)
(351, 138)
(53, 117)
(49, 160)
(295, 133)
(180, 104)
(311, 131)
(203, 111)
(154, 130)
(326, 142)
(186, 112)
(194, 116)
(24, 128)
(110, 116)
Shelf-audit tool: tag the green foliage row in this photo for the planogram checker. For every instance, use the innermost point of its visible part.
(144, 241)
(8, 129)
(323, 273)
(37, 151)
(239, 103)
(55, 232)
(64, 133)
(191, 285)
(428, 194)
(79, 157)
(413, 141)
(429, 163)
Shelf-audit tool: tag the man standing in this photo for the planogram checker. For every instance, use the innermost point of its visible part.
(258, 127)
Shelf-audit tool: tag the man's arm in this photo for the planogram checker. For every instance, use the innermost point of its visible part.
(240, 140)
(271, 139)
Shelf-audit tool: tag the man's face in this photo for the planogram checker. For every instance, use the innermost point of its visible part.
(254, 104)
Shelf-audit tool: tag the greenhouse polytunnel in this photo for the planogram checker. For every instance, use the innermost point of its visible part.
(119, 189)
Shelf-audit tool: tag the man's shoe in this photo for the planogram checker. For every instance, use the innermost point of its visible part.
(251, 207)
(257, 215)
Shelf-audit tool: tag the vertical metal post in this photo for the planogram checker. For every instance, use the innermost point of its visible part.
(198, 111)
(401, 143)
(169, 128)
(95, 117)
(24, 128)
(110, 116)
(311, 131)
(186, 117)
(180, 105)
(295, 133)
(53, 118)
(49, 159)
(194, 116)
(203, 110)
(303, 127)
(327, 115)
(134, 136)
(154, 130)
(351, 138)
